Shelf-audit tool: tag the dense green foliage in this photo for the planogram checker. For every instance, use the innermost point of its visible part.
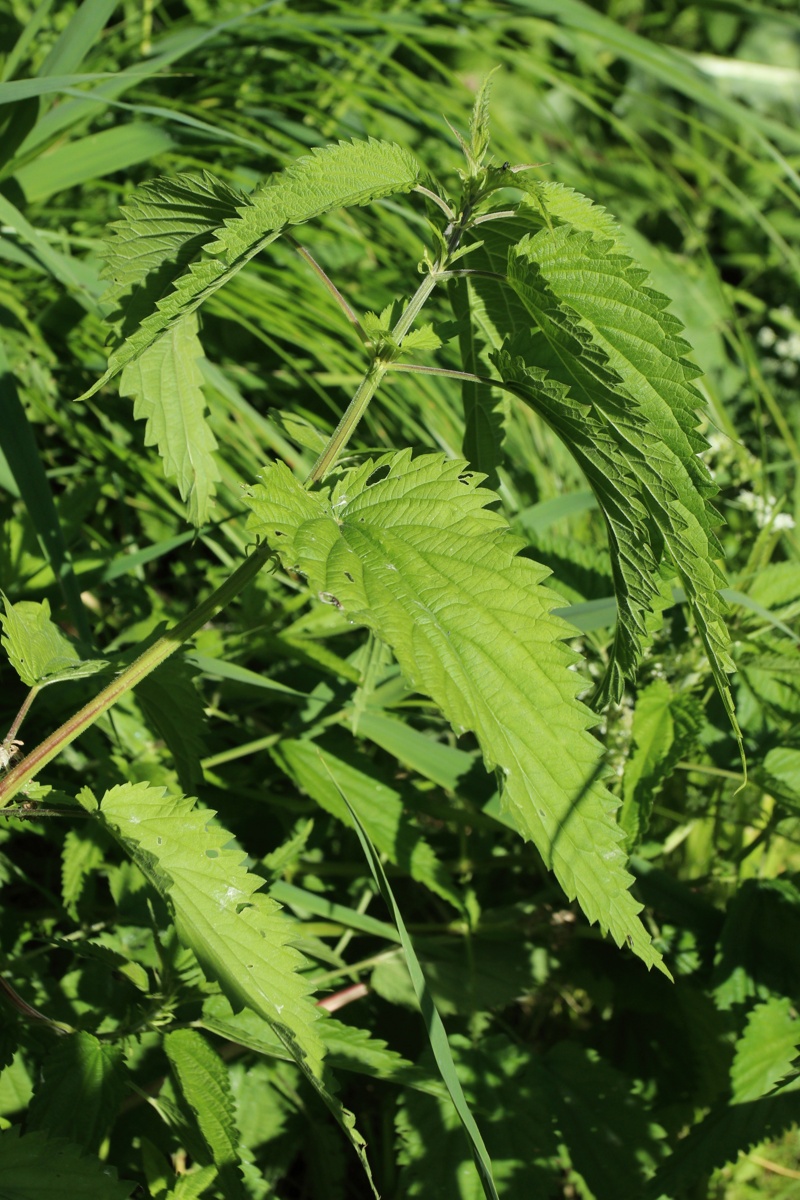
(399, 571)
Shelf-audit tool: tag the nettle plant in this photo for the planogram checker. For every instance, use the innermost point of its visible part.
(549, 308)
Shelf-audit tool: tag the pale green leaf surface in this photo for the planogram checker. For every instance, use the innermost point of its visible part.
(379, 806)
(239, 935)
(418, 558)
(38, 650)
(203, 1079)
(166, 383)
(85, 1111)
(347, 174)
(37, 1167)
(766, 1050)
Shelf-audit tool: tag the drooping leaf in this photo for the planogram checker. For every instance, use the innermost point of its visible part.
(38, 650)
(37, 1167)
(347, 174)
(485, 408)
(418, 558)
(167, 386)
(353, 1049)
(203, 1079)
(766, 1050)
(239, 934)
(592, 350)
(79, 1092)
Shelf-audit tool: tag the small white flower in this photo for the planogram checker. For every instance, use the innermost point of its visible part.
(766, 336)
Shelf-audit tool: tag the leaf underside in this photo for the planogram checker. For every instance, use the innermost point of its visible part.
(580, 339)
(182, 239)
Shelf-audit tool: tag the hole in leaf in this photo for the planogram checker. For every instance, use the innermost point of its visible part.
(212, 853)
(377, 475)
(347, 575)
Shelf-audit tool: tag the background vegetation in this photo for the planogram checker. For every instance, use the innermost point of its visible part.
(588, 1076)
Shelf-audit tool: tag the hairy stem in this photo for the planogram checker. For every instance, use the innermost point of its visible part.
(20, 717)
(151, 658)
(378, 367)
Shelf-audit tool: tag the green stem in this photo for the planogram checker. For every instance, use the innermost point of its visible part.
(352, 415)
(20, 717)
(151, 658)
(370, 383)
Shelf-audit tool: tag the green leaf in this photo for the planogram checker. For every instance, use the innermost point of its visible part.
(203, 1079)
(353, 1049)
(79, 1092)
(437, 1035)
(418, 558)
(485, 408)
(18, 446)
(350, 173)
(240, 936)
(756, 953)
(37, 1167)
(499, 1082)
(167, 386)
(83, 852)
(173, 706)
(766, 1050)
(611, 380)
(95, 156)
(479, 124)
(579, 1112)
(665, 725)
(592, 350)
(193, 1185)
(38, 650)
(719, 1138)
(379, 806)
(609, 1134)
